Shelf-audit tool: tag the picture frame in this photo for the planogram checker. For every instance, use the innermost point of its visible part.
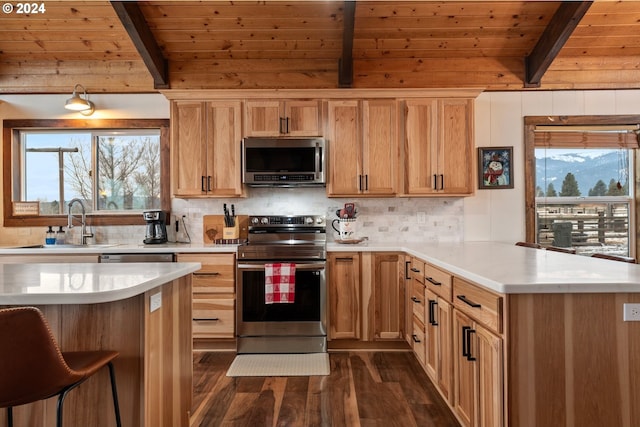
(495, 167)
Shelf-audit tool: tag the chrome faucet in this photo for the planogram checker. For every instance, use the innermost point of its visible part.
(83, 221)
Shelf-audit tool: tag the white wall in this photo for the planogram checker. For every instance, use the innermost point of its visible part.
(498, 215)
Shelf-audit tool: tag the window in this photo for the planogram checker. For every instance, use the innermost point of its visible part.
(580, 188)
(117, 171)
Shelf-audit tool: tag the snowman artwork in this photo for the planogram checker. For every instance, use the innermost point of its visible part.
(495, 174)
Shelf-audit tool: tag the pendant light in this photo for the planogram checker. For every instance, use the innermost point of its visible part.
(77, 103)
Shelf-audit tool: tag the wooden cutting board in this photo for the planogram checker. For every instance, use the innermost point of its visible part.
(212, 226)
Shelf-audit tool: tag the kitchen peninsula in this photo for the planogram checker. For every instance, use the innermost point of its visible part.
(141, 310)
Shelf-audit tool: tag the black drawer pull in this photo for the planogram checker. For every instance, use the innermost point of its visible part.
(205, 273)
(415, 270)
(206, 319)
(416, 300)
(415, 338)
(433, 282)
(468, 301)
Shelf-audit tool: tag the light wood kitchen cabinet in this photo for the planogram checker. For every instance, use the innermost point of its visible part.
(205, 148)
(438, 325)
(344, 288)
(388, 296)
(478, 397)
(290, 118)
(214, 290)
(363, 148)
(415, 303)
(438, 147)
(366, 296)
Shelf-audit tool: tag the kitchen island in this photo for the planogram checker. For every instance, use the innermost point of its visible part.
(141, 310)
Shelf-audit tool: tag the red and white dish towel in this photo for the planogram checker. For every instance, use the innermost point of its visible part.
(279, 283)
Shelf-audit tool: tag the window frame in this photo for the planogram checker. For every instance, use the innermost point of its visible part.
(11, 157)
(530, 123)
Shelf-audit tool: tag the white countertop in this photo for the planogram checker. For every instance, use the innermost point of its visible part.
(118, 249)
(502, 267)
(41, 284)
(510, 269)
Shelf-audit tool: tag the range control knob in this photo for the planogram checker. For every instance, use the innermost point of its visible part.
(264, 220)
(319, 220)
(255, 220)
(308, 220)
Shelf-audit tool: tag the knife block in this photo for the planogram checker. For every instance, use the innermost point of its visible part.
(231, 232)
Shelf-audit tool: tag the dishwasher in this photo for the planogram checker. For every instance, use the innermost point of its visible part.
(121, 258)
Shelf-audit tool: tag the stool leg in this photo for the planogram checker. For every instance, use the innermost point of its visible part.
(114, 391)
(61, 397)
(10, 416)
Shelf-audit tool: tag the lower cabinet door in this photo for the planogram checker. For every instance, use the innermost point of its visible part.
(464, 371)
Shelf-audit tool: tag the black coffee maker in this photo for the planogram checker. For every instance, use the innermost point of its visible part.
(156, 227)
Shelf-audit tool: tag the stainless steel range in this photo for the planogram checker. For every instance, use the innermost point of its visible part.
(293, 327)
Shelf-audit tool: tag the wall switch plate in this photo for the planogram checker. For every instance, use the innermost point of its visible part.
(155, 302)
(631, 312)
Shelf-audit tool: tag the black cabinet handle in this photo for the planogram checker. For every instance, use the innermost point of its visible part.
(209, 319)
(415, 270)
(435, 181)
(433, 282)
(344, 259)
(202, 183)
(406, 269)
(209, 183)
(360, 182)
(416, 300)
(204, 273)
(466, 342)
(432, 312)
(442, 181)
(468, 301)
(280, 126)
(415, 338)
(287, 126)
(366, 182)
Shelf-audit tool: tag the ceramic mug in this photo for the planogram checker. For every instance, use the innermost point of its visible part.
(346, 228)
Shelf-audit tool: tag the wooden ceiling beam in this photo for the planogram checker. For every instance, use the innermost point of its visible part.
(136, 26)
(562, 24)
(345, 65)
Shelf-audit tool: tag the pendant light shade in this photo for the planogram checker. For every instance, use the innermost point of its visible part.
(78, 103)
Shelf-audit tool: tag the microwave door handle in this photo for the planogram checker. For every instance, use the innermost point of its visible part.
(318, 155)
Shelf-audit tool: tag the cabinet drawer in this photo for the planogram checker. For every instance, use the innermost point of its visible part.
(417, 339)
(417, 270)
(217, 274)
(438, 281)
(417, 300)
(213, 318)
(480, 304)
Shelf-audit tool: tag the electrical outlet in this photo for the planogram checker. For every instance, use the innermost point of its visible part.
(422, 217)
(155, 302)
(631, 312)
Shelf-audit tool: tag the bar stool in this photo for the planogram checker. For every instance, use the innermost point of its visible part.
(614, 258)
(33, 368)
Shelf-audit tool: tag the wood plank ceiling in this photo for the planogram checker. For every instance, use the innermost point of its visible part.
(138, 47)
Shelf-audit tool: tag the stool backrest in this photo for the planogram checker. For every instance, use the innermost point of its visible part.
(31, 364)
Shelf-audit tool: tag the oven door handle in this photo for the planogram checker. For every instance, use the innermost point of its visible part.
(299, 266)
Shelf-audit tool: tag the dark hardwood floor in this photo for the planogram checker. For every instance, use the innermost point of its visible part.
(367, 389)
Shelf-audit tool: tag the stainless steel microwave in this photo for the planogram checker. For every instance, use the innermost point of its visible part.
(284, 162)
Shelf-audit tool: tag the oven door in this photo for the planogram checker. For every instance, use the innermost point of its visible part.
(304, 317)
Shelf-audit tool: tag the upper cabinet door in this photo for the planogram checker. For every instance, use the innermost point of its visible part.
(345, 148)
(283, 118)
(224, 164)
(420, 149)
(188, 150)
(262, 118)
(455, 148)
(380, 154)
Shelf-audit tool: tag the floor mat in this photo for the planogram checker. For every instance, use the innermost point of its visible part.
(279, 365)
